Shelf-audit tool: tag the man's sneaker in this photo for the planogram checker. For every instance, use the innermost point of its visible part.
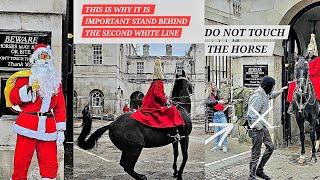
(262, 175)
(225, 149)
(215, 148)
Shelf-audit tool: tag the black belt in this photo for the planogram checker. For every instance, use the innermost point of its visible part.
(48, 114)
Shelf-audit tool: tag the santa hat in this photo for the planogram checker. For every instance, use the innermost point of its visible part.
(157, 74)
(42, 53)
(313, 45)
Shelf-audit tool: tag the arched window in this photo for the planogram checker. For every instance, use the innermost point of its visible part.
(96, 97)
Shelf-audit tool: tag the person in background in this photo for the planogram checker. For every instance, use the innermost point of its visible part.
(217, 104)
(126, 109)
(225, 92)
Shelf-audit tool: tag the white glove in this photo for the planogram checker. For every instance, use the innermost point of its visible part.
(283, 88)
(60, 137)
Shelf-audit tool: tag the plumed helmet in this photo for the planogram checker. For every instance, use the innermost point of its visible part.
(158, 74)
(42, 54)
(312, 47)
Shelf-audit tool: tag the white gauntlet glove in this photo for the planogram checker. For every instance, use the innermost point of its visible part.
(60, 137)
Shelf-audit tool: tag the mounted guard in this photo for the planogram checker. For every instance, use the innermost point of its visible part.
(304, 96)
(157, 111)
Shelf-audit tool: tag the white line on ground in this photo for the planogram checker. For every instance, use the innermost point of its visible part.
(92, 154)
(104, 159)
(225, 159)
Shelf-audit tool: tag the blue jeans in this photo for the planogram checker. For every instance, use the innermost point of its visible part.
(219, 117)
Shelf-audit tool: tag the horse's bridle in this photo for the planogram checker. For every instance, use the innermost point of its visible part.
(301, 92)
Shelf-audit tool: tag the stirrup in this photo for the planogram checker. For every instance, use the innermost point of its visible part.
(176, 137)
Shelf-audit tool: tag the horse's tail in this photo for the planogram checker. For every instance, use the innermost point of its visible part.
(91, 141)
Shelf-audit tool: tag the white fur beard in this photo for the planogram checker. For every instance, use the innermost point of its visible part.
(47, 77)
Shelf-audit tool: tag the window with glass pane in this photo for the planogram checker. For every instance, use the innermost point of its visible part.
(140, 67)
(96, 99)
(179, 66)
(97, 53)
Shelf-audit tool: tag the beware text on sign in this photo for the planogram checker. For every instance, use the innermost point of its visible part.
(16, 48)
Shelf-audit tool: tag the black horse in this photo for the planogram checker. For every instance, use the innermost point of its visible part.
(305, 106)
(130, 136)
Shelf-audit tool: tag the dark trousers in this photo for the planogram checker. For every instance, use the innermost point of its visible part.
(258, 137)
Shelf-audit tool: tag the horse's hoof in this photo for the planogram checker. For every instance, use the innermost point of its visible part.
(175, 174)
(313, 159)
(179, 178)
(143, 177)
(301, 160)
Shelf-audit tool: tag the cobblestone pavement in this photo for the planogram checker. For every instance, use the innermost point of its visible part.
(155, 163)
(282, 165)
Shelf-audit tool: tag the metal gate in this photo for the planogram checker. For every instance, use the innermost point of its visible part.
(290, 46)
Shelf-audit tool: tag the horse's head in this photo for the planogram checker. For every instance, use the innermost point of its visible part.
(181, 91)
(301, 72)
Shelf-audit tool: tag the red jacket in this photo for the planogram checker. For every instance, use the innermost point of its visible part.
(29, 125)
(154, 111)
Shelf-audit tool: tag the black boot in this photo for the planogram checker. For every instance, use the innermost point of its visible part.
(262, 175)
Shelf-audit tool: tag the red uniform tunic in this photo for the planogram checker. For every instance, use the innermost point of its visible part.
(154, 112)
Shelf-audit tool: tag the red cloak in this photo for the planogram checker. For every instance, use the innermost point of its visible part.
(154, 112)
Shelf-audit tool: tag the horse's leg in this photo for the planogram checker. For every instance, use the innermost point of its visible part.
(313, 140)
(302, 138)
(318, 137)
(175, 157)
(129, 159)
(184, 148)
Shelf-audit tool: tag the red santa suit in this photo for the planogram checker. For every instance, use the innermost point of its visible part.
(35, 131)
(154, 112)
